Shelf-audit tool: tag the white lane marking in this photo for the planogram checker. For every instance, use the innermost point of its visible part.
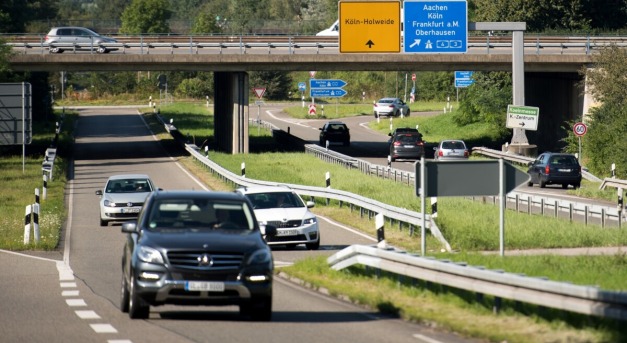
(65, 272)
(75, 302)
(426, 339)
(29, 256)
(119, 341)
(69, 293)
(347, 228)
(87, 314)
(289, 121)
(68, 284)
(103, 328)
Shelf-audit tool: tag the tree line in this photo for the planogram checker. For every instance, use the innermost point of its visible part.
(484, 101)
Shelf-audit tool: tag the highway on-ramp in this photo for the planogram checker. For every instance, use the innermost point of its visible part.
(72, 295)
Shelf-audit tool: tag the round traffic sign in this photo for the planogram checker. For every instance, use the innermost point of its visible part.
(413, 77)
(580, 129)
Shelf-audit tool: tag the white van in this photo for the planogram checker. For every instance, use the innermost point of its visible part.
(332, 31)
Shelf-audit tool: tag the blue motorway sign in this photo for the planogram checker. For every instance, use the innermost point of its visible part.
(317, 83)
(463, 79)
(326, 92)
(435, 26)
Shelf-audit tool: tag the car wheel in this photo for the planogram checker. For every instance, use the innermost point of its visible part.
(564, 185)
(541, 182)
(313, 246)
(104, 223)
(101, 50)
(392, 159)
(530, 184)
(258, 309)
(137, 309)
(577, 185)
(55, 50)
(376, 115)
(124, 295)
(408, 112)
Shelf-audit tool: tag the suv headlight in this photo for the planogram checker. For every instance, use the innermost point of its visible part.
(109, 203)
(262, 256)
(149, 255)
(308, 221)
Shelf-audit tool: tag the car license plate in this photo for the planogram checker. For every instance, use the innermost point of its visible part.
(130, 210)
(408, 146)
(564, 170)
(204, 286)
(287, 233)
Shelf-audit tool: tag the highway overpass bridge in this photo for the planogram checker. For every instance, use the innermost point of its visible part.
(552, 66)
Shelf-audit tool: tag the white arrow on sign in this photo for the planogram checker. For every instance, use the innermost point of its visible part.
(416, 42)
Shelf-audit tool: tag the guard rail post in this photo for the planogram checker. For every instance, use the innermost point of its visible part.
(328, 182)
(620, 207)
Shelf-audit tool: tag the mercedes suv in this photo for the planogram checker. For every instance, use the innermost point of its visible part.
(196, 248)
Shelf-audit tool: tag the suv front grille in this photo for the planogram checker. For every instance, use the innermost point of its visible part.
(193, 260)
(290, 223)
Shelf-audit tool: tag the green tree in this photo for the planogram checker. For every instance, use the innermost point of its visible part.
(606, 140)
(146, 16)
(485, 100)
(16, 14)
(205, 22)
(5, 54)
(277, 83)
(109, 9)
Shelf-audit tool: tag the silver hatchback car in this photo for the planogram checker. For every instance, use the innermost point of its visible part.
(123, 196)
(451, 149)
(77, 38)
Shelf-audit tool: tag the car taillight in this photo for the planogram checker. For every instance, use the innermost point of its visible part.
(547, 169)
(440, 153)
(465, 153)
(420, 143)
(397, 143)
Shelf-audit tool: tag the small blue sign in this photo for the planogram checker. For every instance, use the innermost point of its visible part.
(302, 86)
(316, 83)
(435, 26)
(463, 79)
(327, 92)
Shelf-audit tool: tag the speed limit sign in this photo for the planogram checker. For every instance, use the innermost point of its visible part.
(580, 129)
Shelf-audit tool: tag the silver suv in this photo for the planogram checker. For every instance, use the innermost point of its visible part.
(77, 38)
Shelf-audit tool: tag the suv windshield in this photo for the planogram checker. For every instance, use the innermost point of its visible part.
(199, 214)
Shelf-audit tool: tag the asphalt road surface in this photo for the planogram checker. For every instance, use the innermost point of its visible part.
(72, 295)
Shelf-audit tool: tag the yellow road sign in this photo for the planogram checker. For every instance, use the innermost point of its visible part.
(370, 26)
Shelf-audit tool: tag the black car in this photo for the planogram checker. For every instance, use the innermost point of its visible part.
(197, 248)
(406, 143)
(555, 168)
(335, 131)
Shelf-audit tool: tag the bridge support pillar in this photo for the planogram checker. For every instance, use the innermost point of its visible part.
(231, 112)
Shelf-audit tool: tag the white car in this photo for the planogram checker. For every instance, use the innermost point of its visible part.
(332, 31)
(390, 107)
(123, 197)
(451, 150)
(281, 207)
(77, 38)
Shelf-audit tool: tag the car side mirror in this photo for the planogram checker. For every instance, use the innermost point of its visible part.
(390, 134)
(310, 204)
(99, 192)
(129, 227)
(320, 129)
